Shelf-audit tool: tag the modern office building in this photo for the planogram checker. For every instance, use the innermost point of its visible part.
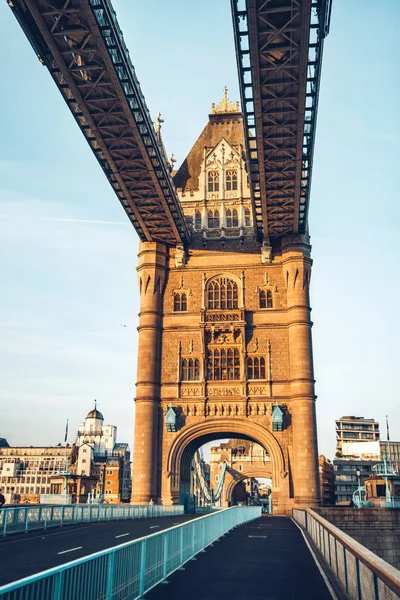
(356, 436)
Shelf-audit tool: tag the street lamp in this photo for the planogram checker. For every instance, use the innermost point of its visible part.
(358, 473)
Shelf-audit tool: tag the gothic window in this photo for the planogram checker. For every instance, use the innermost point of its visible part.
(232, 218)
(213, 181)
(213, 219)
(197, 219)
(235, 220)
(231, 180)
(180, 302)
(190, 369)
(247, 221)
(223, 364)
(256, 367)
(265, 297)
(222, 294)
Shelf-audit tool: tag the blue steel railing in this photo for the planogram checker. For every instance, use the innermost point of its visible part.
(361, 574)
(130, 570)
(19, 519)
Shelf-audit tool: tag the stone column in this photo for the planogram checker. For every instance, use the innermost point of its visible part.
(145, 476)
(296, 265)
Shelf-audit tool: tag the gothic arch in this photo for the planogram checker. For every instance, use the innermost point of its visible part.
(191, 438)
(255, 472)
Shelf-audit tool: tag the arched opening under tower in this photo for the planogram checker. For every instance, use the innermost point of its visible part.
(178, 483)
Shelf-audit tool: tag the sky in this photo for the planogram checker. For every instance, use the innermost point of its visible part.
(68, 252)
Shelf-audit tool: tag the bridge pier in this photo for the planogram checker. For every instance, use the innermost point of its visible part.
(304, 457)
(146, 476)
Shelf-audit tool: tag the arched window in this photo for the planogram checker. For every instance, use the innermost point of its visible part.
(180, 302)
(222, 294)
(228, 217)
(265, 297)
(247, 219)
(213, 219)
(190, 369)
(231, 180)
(223, 364)
(256, 367)
(213, 181)
(197, 219)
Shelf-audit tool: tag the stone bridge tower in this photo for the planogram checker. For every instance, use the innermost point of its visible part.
(224, 334)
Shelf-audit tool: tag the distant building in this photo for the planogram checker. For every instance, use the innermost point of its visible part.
(246, 461)
(100, 455)
(95, 468)
(356, 436)
(376, 489)
(391, 450)
(25, 473)
(326, 480)
(4, 443)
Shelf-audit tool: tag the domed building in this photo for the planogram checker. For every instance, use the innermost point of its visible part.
(100, 455)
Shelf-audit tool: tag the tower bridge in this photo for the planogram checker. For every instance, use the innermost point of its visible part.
(224, 264)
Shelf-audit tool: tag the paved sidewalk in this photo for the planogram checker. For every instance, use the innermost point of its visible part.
(266, 559)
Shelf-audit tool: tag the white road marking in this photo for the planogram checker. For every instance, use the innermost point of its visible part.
(154, 527)
(70, 550)
(122, 535)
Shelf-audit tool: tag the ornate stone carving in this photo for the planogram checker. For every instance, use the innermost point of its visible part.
(266, 253)
(224, 391)
(258, 390)
(222, 317)
(187, 391)
(180, 258)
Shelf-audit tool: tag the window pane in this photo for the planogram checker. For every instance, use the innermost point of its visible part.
(235, 220)
(197, 220)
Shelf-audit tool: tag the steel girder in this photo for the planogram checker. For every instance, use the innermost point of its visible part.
(81, 44)
(279, 47)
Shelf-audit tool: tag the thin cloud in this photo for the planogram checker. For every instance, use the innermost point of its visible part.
(66, 220)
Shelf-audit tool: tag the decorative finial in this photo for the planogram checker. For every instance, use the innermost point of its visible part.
(225, 106)
(95, 404)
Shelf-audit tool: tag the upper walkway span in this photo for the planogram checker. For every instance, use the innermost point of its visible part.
(81, 44)
(279, 55)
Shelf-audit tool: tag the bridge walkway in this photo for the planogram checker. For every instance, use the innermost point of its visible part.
(265, 559)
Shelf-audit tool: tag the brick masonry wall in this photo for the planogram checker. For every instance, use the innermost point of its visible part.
(377, 529)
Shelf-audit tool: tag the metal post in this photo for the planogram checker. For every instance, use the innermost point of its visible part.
(181, 548)
(337, 564)
(26, 522)
(329, 548)
(358, 579)
(165, 555)
(376, 586)
(142, 579)
(110, 576)
(345, 569)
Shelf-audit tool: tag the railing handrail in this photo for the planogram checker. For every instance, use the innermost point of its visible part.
(91, 557)
(386, 572)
